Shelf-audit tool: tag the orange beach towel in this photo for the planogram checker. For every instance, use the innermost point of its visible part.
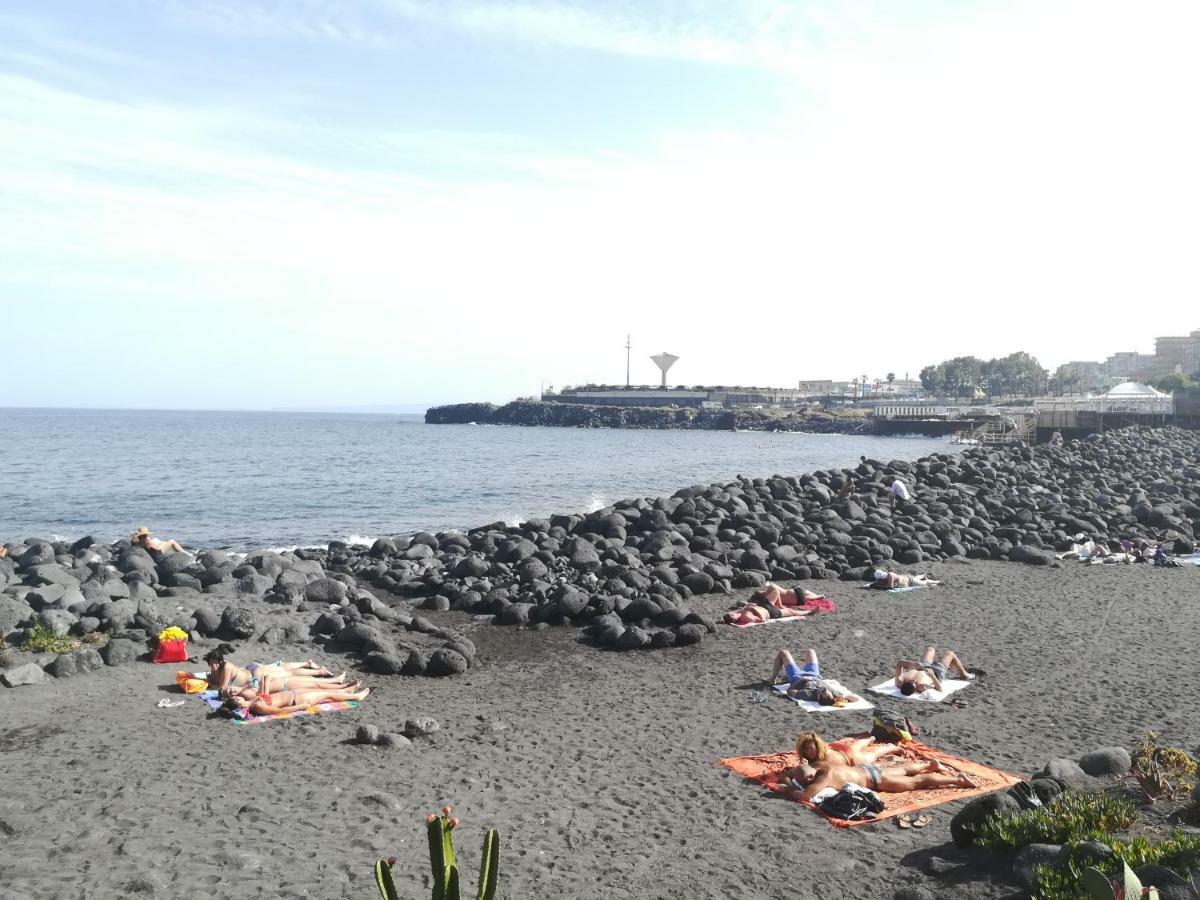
(770, 770)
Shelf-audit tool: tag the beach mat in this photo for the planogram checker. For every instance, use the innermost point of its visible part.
(814, 706)
(769, 771)
(214, 703)
(769, 621)
(889, 689)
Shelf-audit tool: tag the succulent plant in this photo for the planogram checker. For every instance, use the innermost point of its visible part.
(1100, 888)
(443, 862)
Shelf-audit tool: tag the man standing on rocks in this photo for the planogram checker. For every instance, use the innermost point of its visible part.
(897, 490)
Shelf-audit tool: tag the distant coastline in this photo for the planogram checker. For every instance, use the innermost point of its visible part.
(578, 415)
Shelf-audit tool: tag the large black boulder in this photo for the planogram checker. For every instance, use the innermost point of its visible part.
(967, 820)
(445, 662)
(236, 623)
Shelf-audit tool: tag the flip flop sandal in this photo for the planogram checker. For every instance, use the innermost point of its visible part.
(921, 821)
(904, 821)
(758, 697)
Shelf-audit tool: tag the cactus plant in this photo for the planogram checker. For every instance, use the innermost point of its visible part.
(1100, 888)
(443, 862)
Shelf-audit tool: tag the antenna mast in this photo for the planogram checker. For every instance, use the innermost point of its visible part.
(628, 345)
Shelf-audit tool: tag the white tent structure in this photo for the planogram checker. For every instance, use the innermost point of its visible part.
(1133, 390)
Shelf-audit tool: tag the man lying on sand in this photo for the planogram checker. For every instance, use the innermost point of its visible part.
(808, 780)
(806, 683)
(772, 602)
(224, 673)
(263, 704)
(885, 581)
(916, 675)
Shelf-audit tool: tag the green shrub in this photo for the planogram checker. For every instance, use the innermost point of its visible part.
(1070, 818)
(40, 639)
(1179, 853)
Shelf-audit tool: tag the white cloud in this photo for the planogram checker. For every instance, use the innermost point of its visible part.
(956, 190)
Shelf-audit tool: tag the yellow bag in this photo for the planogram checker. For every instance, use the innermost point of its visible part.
(190, 684)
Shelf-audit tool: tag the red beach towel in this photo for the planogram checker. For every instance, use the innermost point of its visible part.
(769, 771)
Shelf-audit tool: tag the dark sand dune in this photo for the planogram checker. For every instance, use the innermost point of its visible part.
(598, 768)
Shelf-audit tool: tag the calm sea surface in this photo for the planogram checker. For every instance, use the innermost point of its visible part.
(253, 480)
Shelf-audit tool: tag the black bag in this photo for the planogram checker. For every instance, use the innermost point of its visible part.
(852, 803)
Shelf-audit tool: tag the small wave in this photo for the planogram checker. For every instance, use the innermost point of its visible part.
(359, 540)
(596, 502)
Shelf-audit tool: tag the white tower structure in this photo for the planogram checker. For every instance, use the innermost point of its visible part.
(664, 361)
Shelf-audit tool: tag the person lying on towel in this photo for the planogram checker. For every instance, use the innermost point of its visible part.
(224, 672)
(916, 675)
(805, 682)
(885, 581)
(808, 780)
(811, 748)
(263, 704)
(772, 602)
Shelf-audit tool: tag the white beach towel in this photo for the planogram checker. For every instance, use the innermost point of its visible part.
(889, 689)
(814, 706)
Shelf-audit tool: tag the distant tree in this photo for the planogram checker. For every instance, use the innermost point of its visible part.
(933, 379)
(1176, 381)
(891, 376)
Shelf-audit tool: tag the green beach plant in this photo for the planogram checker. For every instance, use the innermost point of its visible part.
(1069, 818)
(1162, 771)
(1130, 886)
(1069, 881)
(443, 862)
(40, 639)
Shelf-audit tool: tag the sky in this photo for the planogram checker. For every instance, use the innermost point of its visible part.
(317, 203)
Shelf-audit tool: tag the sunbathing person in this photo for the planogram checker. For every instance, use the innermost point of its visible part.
(772, 602)
(885, 581)
(224, 672)
(918, 775)
(916, 675)
(811, 748)
(263, 704)
(806, 683)
(141, 538)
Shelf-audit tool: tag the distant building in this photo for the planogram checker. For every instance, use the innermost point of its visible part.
(1169, 353)
(1191, 355)
(816, 388)
(1130, 366)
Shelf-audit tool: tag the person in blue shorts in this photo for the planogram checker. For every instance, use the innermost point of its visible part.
(805, 682)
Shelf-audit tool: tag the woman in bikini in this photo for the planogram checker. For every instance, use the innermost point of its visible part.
(224, 673)
(772, 602)
(264, 704)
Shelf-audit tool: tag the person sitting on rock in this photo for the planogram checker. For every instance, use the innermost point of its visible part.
(808, 780)
(225, 673)
(264, 704)
(916, 675)
(805, 682)
(885, 581)
(772, 602)
(141, 538)
(3, 552)
(897, 490)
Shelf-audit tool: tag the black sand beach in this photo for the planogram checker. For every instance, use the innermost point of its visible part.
(597, 767)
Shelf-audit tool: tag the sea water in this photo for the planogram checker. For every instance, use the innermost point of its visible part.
(249, 480)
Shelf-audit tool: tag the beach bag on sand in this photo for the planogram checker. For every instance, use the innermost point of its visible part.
(189, 683)
(889, 728)
(171, 651)
(852, 803)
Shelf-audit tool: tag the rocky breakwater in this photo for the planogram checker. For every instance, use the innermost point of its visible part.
(578, 415)
(68, 609)
(625, 573)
